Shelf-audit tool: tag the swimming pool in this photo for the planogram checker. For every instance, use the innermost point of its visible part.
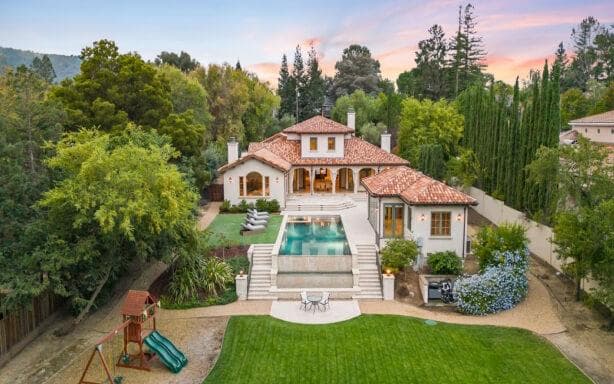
(314, 236)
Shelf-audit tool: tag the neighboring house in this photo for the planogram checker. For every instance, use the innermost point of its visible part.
(405, 203)
(598, 128)
(315, 157)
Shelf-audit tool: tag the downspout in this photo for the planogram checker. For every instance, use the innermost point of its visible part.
(464, 231)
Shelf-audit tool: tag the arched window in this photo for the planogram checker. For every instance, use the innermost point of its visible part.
(254, 184)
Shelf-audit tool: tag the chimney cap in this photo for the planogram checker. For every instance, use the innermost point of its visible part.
(351, 109)
(232, 139)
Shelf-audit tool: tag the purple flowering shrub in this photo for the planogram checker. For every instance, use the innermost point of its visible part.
(499, 287)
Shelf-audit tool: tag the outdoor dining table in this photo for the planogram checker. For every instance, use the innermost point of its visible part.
(315, 301)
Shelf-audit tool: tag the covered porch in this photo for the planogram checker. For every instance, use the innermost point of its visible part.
(328, 180)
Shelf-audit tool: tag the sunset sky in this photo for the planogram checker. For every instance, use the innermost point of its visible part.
(518, 35)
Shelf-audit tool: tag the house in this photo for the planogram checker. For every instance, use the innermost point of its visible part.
(320, 157)
(405, 203)
(315, 157)
(598, 128)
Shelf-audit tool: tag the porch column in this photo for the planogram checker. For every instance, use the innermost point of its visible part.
(355, 177)
(312, 178)
(334, 178)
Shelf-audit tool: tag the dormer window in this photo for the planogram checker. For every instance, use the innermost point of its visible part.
(313, 144)
(331, 144)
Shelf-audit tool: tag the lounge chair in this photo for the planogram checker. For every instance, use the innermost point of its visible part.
(325, 302)
(249, 229)
(256, 217)
(304, 300)
(256, 213)
(252, 221)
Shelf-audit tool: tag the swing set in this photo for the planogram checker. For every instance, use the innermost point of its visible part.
(139, 321)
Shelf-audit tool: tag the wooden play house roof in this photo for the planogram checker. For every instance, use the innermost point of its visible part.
(135, 302)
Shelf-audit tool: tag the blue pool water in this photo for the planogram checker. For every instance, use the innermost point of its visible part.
(314, 236)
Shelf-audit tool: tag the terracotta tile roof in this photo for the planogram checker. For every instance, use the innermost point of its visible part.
(318, 124)
(601, 118)
(135, 302)
(415, 188)
(357, 152)
(262, 154)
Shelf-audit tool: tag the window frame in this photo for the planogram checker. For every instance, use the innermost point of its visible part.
(440, 221)
(334, 142)
(394, 235)
(241, 186)
(313, 140)
(267, 186)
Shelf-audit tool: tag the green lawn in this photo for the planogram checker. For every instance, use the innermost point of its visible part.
(385, 349)
(228, 226)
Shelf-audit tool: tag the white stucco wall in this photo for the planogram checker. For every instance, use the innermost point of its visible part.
(422, 229)
(597, 133)
(322, 145)
(277, 181)
(455, 242)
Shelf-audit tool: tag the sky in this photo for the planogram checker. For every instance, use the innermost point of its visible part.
(518, 35)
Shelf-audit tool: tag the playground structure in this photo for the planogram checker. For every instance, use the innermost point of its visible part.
(139, 312)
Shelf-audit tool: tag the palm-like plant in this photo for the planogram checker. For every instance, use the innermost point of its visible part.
(216, 275)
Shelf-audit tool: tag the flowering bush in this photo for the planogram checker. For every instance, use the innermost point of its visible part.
(497, 288)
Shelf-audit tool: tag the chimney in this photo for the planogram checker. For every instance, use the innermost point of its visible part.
(385, 142)
(352, 118)
(233, 150)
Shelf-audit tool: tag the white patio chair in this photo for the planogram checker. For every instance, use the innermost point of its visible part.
(304, 301)
(325, 302)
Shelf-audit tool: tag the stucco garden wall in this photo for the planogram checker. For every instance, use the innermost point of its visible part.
(539, 235)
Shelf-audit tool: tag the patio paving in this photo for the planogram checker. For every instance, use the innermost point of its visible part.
(340, 310)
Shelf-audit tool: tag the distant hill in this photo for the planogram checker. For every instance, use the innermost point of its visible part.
(64, 65)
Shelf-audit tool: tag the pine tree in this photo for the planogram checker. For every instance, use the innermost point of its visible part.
(43, 68)
(431, 64)
(285, 90)
(468, 54)
(315, 88)
(299, 78)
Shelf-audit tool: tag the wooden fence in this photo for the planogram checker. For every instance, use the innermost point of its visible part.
(215, 192)
(18, 327)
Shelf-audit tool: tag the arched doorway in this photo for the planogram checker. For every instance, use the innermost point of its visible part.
(301, 181)
(254, 185)
(322, 180)
(345, 181)
(364, 172)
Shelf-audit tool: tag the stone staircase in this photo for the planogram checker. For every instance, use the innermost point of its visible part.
(260, 279)
(369, 279)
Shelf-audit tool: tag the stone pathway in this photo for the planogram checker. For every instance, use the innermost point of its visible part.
(340, 310)
(208, 213)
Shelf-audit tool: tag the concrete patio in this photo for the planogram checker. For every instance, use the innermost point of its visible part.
(340, 310)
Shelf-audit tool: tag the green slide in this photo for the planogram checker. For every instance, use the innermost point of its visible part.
(169, 354)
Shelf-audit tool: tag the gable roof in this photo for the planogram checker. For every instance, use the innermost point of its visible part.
(415, 188)
(601, 118)
(318, 124)
(263, 155)
(357, 152)
(135, 302)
